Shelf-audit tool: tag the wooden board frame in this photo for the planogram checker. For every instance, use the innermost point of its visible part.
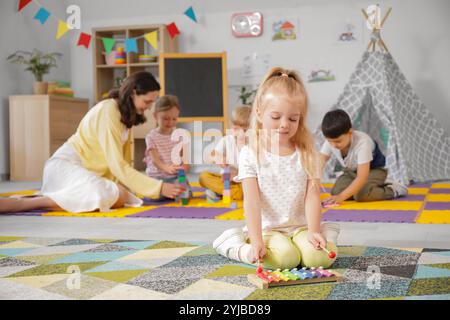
(223, 57)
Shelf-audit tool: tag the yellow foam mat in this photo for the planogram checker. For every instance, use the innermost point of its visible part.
(119, 213)
(22, 193)
(380, 205)
(438, 197)
(202, 203)
(434, 216)
(232, 215)
(440, 185)
(418, 190)
(198, 194)
(323, 196)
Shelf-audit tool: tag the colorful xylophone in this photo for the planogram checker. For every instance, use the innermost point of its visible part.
(266, 279)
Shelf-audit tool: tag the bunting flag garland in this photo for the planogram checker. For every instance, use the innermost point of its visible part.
(84, 40)
(152, 38)
(131, 45)
(62, 29)
(108, 44)
(42, 15)
(191, 14)
(173, 30)
(23, 4)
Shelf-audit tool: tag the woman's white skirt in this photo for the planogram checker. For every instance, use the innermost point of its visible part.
(76, 189)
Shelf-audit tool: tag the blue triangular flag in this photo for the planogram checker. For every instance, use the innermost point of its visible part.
(190, 13)
(131, 45)
(42, 15)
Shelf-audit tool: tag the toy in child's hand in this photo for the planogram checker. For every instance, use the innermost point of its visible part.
(331, 254)
(263, 275)
(182, 180)
(326, 204)
(226, 178)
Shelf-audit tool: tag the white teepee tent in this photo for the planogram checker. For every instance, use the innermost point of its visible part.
(381, 102)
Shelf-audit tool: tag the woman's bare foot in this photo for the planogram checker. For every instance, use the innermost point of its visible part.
(10, 205)
(27, 204)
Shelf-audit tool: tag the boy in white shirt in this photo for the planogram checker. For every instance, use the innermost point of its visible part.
(364, 175)
(226, 153)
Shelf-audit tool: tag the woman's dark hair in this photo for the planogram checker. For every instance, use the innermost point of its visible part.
(143, 82)
(336, 123)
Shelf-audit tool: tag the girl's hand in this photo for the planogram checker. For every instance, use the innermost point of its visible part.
(171, 190)
(258, 252)
(317, 240)
(170, 169)
(333, 200)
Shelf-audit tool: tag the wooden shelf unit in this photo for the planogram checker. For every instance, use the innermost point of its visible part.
(105, 75)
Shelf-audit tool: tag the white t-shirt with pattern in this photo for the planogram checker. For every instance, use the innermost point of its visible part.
(282, 183)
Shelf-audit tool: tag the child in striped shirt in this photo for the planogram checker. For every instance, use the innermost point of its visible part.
(158, 154)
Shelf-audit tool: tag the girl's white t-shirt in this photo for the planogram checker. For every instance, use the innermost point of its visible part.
(282, 184)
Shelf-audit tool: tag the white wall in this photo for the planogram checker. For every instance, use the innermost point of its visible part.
(18, 31)
(416, 34)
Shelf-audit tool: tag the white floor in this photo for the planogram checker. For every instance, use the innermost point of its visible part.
(205, 230)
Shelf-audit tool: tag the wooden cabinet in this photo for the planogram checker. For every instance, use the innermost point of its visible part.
(38, 126)
(106, 75)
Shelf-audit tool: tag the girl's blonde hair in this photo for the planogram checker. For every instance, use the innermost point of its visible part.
(167, 102)
(241, 116)
(287, 83)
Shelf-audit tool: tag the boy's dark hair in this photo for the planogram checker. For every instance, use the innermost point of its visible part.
(143, 82)
(336, 123)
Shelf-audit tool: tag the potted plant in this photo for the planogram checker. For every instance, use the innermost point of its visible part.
(246, 95)
(38, 63)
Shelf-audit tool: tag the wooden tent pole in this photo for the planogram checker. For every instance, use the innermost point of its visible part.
(385, 17)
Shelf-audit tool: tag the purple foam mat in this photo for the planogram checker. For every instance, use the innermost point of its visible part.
(437, 206)
(420, 185)
(177, 212)
(400, 216)
(36, 213)
(411, 197)
(440, 191)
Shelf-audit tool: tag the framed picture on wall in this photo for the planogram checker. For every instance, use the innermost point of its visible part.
(347, 32)
(284, 29)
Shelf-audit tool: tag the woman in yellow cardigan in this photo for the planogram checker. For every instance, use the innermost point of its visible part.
(92, 170)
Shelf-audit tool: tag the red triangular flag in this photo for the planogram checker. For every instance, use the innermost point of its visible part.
(23, 4)
(173, 30)
(84, 40)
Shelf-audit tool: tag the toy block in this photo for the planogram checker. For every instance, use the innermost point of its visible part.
(234, 205)
(226, 185)
(226, 193)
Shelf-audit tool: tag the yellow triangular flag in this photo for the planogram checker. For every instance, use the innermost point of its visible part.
(62, 29)
(152, 38)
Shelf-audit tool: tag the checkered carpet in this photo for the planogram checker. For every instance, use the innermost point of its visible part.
(44, 268)
(426, 203)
